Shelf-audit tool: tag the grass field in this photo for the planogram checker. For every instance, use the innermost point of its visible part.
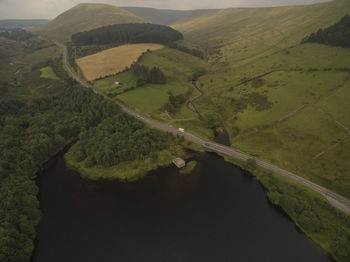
(178, 68)
(107, 85)
(151, 96)
(112, 61)
(47, 72)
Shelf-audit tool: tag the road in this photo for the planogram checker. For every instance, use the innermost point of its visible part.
(336, 200)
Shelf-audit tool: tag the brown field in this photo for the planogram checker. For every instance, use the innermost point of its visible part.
(112, 61)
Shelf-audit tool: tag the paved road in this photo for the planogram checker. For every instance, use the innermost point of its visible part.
(335, 199)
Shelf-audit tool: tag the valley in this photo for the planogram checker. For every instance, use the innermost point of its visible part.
(128, 96)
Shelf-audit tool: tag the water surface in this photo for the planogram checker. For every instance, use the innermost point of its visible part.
(215, 214)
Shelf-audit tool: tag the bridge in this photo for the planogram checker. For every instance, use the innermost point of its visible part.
(336, 200)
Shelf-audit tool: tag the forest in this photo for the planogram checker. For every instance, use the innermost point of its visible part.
(32, 131)
(335, 35)
(147, 75)
(127, 33)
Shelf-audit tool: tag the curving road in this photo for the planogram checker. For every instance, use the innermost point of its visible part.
(336, 200)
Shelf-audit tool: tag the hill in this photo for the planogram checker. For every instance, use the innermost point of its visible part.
(238, 35)
(159, 16)
(22, 23)
(78, 19)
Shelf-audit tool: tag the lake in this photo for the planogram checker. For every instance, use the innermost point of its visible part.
(217, 213)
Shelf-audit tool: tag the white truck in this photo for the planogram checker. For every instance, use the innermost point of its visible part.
(181, 130)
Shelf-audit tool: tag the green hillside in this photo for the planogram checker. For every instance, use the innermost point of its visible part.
(238, 35)
(79, 19)
(280, 101)
(159, 16)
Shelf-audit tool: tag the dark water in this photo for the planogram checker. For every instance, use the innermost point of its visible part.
(215, 214)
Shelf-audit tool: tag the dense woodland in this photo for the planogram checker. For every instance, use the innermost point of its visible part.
(175, 102)
(147, 75)
(33, 130)
(335, 35)
(127, 33)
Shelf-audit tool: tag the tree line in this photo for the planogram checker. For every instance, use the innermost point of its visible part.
(335, 35)
(191, 51)
(127, 33)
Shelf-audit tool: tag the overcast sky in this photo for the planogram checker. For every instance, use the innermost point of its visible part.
(51, 8)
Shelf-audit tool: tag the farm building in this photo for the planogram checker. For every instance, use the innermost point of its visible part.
(179, 162)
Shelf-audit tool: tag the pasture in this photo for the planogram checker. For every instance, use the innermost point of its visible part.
(313, 75)
(151, 97)
(112, 61)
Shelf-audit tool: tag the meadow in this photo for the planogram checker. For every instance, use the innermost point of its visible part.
(178, 68)
(151, 97)
(296, 116)
(112, 61)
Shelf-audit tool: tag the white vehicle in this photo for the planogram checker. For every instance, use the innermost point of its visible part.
(181, 129)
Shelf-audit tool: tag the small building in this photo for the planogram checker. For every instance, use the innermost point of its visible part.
(179, 162)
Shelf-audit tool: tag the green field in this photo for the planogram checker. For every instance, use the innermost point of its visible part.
(312, 75)
(178, 67)
(47, 72)
(151, 96)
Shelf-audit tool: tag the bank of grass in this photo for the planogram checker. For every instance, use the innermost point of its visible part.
(47, 72)
(190, 166)
(311, 212)
(112, 61)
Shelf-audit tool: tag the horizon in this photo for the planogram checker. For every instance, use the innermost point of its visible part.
(21, 10)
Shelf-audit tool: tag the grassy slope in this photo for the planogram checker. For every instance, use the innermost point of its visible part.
(159, 16)
(309, 75)
(246, 43)
(79, 19)
(239, 35)
(112, 61)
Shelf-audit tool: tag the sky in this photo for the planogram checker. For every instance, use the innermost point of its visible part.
(48, 9)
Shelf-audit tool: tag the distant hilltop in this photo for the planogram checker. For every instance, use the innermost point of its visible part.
(84, 17)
